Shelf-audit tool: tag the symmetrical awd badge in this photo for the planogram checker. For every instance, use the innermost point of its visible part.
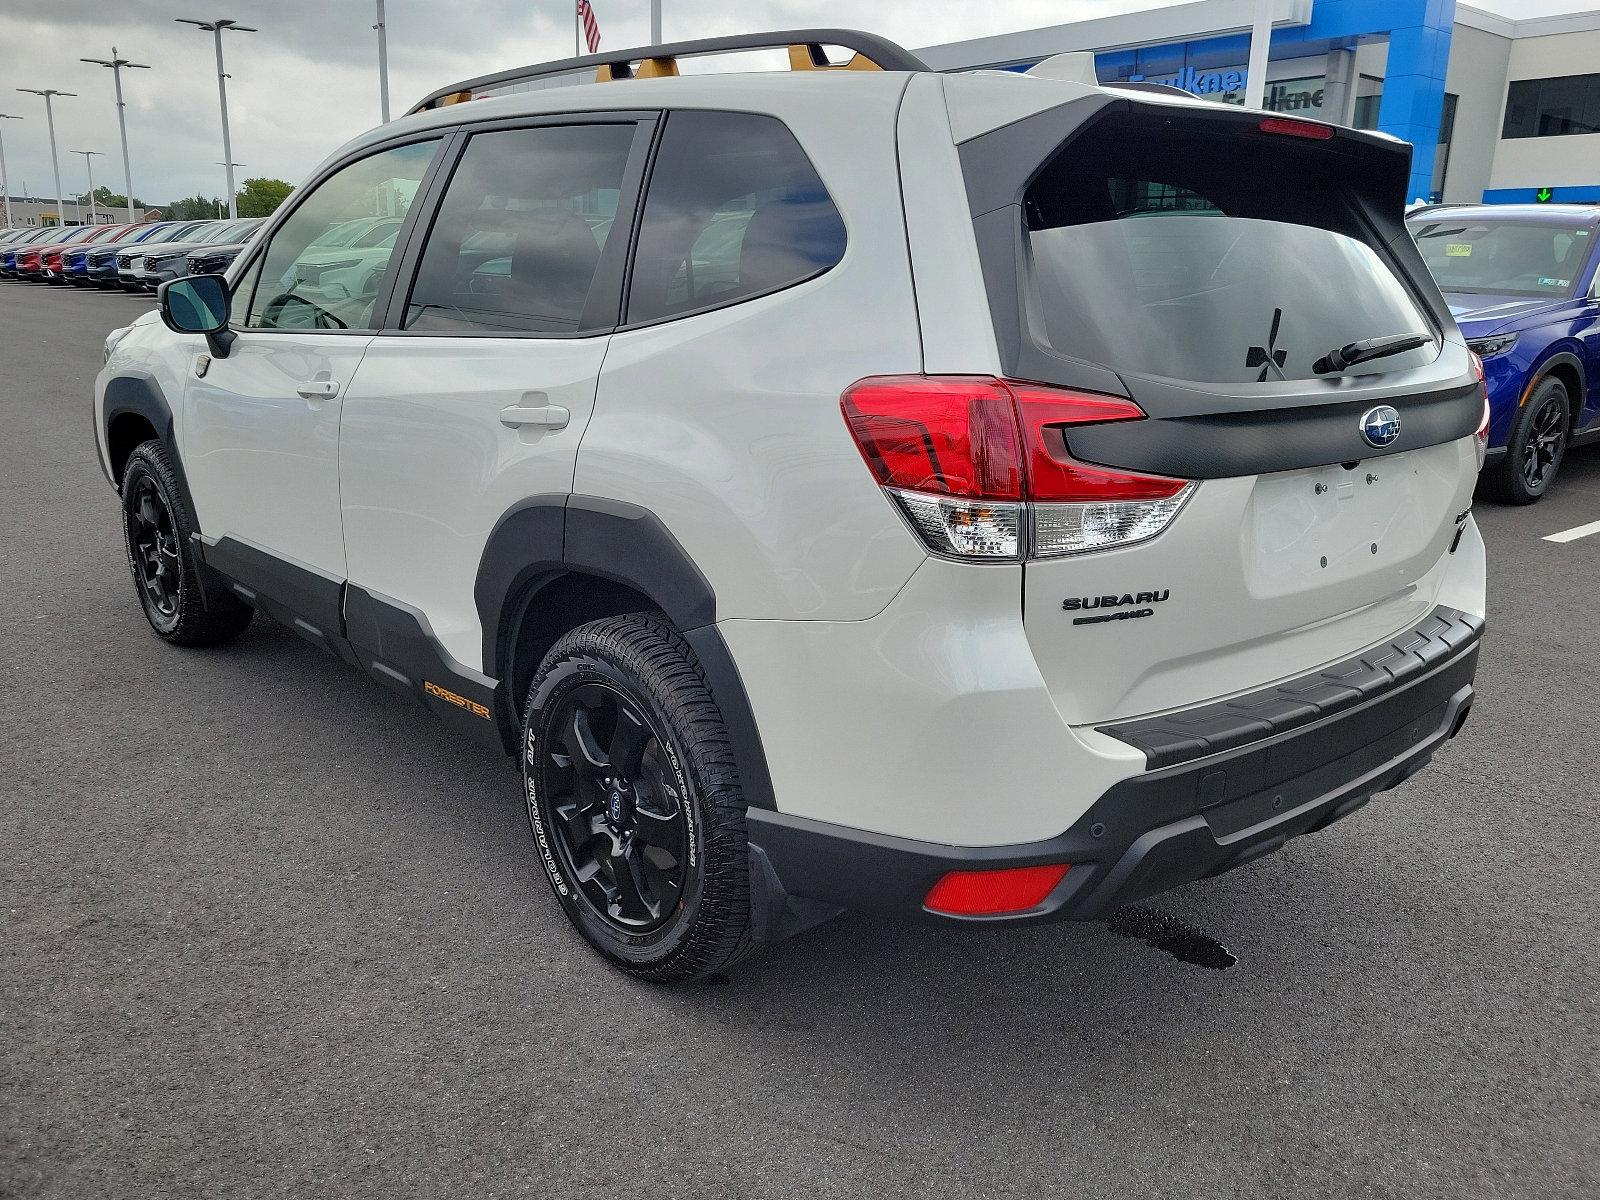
(1124, 604)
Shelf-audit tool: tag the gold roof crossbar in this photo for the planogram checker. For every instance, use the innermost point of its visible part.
(805, 48)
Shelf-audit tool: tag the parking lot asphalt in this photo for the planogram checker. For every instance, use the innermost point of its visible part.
(268, 933)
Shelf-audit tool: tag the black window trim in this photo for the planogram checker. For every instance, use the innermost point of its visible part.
(380, 303)
(600, 313)
(627, 326)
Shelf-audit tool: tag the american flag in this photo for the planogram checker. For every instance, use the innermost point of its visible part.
(591, 27)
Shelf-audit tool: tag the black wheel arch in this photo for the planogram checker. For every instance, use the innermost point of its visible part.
(557, 561)
(1568, 368)
(134, 411)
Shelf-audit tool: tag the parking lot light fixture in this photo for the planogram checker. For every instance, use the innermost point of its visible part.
(383, 62)
(230, 166)
(88, 162)
(116, 63)
(216, 28)
(55, 165)
(5, 180)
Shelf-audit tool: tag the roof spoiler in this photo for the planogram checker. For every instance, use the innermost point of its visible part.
(805, 46)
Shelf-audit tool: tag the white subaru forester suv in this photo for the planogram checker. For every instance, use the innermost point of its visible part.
(986, 496)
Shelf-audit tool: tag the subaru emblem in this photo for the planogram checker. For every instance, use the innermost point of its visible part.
(1380, 426)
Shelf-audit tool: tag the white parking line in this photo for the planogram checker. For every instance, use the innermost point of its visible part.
(1572, 535)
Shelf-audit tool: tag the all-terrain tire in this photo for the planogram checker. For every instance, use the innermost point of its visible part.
(641, 662)
(176, 609)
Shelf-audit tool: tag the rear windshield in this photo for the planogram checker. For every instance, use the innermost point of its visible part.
(1229, 259)
(1503, 256)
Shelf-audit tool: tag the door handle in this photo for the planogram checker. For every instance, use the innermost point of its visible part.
(318, 389)
(547, 416)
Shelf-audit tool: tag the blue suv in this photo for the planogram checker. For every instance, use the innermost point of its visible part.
(1522, 282)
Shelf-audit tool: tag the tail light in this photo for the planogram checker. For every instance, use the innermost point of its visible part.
(982, 469)
(1483, 425)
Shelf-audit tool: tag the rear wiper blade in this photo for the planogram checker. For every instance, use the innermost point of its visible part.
(1368, 349)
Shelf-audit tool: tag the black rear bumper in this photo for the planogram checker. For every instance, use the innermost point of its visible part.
(1228, 783)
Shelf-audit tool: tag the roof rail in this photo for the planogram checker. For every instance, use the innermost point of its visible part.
(805, 46)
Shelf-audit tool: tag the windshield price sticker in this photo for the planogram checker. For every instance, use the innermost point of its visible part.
(1458, 250)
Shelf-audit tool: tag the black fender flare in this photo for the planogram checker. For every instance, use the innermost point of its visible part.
(139, 394)
(1561, 358)
(546, 537)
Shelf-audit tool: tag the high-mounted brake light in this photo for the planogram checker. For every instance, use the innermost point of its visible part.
(982, 468)
(1289, 127)
(993, 893)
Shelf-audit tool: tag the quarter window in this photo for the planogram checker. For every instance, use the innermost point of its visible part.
(315, 274)
(521, 231)
(735, 210)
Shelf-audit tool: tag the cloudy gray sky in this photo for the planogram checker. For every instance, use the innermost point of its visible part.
(308, 81)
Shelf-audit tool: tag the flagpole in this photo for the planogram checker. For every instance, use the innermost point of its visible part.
(577, 31)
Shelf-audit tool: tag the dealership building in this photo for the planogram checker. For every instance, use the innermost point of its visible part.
(38, 210)
(1497, 110)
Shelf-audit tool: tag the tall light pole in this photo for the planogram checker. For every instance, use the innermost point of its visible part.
(88, 162)
(217, 27)
(655, 23)
(50, 120)
(5, 180)
(383, 63)
(231, 212)
(116, 64)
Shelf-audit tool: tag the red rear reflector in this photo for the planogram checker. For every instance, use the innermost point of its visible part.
(1289, 127)
(990, 893)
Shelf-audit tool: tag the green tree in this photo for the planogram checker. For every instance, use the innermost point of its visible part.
(261, 197)
(106, 198)
(193, 208)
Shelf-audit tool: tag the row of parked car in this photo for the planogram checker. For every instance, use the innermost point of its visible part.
(137, 257)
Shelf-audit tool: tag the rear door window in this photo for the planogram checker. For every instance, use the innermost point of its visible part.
(734, 210)
(1206, 263)
(519, 237)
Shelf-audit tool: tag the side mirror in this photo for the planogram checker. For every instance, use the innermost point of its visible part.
(198, 304)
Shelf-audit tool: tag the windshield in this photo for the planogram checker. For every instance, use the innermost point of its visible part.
(343, 233)
(1516, 258)
(1180, 261)
(228, 231)
(170, 233)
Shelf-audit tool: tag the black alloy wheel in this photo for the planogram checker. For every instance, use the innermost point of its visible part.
(619, 826)
(1547, 439)
(1535, 447)
(163, 560)
(634, 802)
(153, 548)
